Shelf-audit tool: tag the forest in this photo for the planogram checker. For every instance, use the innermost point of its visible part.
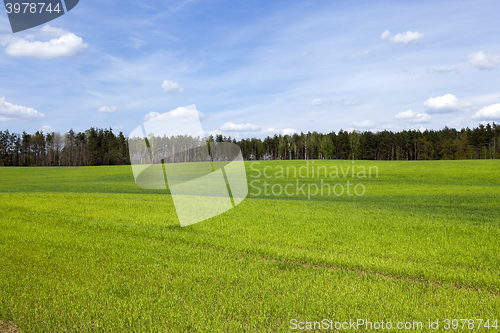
(103, 147)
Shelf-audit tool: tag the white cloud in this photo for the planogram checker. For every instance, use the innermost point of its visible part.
(411, 116)
(289, 131)
(47, 129)
(364, 124)
(67, 45)
(402, 38)
(479, 60)
(213, 133)
(482, 60)
(445, 103)
(183, 114)
(150, 116)
(316, 102)
(10, 111)
(171, 87)
(421, 118)
(405, 115)
(229, 126)
(285, 131)
(491, 112)
(108, 109)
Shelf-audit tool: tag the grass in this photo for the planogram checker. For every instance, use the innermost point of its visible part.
(86, 250)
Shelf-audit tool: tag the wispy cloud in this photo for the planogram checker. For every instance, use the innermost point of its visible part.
(360, 54)
(348, 102)
(479, 60)
(108, 109)
(306, 54)
(229, 126)
(442, 71)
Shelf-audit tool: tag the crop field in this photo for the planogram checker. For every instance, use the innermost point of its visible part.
(84, 249)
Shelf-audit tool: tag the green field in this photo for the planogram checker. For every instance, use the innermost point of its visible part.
(84, 249)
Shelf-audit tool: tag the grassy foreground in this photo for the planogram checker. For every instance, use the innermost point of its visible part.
(86, 250)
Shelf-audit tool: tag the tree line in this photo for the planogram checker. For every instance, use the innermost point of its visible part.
(102, 147)
(92, 147)
(481, 142)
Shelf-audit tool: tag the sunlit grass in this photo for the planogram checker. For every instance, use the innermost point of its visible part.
(86, 250)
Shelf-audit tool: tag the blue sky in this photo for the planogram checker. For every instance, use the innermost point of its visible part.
(255, 68)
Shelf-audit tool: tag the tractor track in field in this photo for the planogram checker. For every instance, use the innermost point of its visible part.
(493, 292)
(264, 256)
